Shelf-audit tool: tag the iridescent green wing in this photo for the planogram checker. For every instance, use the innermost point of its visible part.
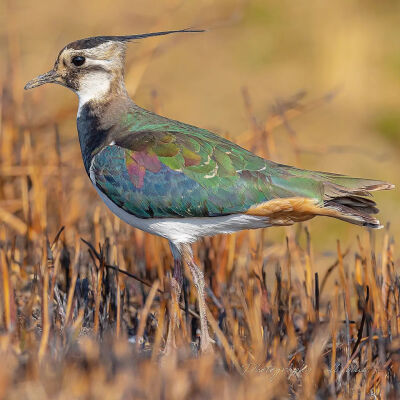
(168, 169)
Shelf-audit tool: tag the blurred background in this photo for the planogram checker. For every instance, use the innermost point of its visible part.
(314, 84)
(337, 63)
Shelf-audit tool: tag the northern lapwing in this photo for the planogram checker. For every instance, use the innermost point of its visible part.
(181, 182)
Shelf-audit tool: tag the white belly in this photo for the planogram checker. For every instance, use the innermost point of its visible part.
(187, 230)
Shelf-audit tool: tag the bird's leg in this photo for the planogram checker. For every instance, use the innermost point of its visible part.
(176, 286)
(198, 280)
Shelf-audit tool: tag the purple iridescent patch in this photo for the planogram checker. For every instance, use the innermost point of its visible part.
(138, 163)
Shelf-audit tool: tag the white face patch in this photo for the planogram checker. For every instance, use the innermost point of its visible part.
(93, 85)
(101, 66)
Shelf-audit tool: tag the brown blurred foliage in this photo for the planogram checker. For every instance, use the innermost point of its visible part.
(314, 84)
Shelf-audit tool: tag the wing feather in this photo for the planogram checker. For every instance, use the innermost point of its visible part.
(163, 168)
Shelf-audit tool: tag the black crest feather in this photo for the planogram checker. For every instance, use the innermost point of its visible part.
(88, 43)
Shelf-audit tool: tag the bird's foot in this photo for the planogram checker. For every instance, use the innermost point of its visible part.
(207, 346)
(206, 343)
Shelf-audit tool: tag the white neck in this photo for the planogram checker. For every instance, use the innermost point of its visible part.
(93, 86)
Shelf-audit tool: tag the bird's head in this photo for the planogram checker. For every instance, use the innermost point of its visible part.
(92, 66)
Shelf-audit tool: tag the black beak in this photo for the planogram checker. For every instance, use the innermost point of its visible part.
(48, 77)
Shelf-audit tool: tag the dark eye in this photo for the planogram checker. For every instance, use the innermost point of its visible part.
(78, 60)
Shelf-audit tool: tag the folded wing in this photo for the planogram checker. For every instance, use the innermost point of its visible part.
(185, 171)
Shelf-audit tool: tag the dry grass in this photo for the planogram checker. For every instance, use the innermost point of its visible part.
(81, 320)
(88, 319)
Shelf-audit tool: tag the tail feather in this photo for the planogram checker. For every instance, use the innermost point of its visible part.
(338, 185)
(355, 202)
(321, 193)
(354, 215)
(346, 196)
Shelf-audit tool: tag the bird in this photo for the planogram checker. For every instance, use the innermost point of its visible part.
(181, 182)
